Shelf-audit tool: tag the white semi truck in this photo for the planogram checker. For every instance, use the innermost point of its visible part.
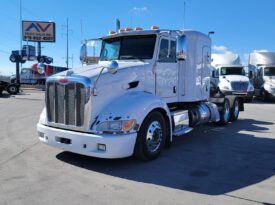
(228, 75)
(261, 68)
(148, 86)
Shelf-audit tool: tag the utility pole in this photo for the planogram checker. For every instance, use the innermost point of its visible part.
(66, 33)
(67, 53)
(18, 65)
(67, 30)
(20, 21)
(72, 58)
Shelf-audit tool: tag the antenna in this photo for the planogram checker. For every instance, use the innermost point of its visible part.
(184, 11)
(117, 25)
(81, 29)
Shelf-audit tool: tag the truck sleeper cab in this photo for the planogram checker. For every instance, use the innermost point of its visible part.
(148, 86)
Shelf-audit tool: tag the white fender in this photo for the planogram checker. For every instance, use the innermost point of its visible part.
(133, 105)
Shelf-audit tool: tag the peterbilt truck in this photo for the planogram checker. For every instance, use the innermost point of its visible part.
(228, 75)
(148, 87)
(261, 68)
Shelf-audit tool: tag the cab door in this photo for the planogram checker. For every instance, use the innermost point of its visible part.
(166, 69)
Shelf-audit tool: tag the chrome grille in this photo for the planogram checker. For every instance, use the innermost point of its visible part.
(66, 103)
(239, 86)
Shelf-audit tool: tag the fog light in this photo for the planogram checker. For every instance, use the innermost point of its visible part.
(101, 147)
(41, 134)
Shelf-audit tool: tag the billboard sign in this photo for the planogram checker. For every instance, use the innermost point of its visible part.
(38, 31)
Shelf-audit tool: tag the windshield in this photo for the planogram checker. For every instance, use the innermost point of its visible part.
(232, 71)
(128, 47)
(269, 71)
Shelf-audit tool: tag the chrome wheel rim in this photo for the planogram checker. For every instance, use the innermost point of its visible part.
(236, 108)
(226, 111)
(154, 136)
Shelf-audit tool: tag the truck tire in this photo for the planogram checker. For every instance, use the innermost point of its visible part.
(225, 113)
(151, 137)
(263, 95)
(12, 89)
(235, 110)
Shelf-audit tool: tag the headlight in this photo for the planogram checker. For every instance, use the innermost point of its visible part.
(116, 126)
(267, 86)
(224, 87)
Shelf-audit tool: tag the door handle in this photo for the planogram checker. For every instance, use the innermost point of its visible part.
(174, 89)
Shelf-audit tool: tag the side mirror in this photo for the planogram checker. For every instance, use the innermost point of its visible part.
(250, 74)
(112, 67)
(41, 68)
(83, 53)
(181, 48)
(213, 74)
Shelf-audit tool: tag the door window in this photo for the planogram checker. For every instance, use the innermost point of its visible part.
(172, 55)
(167, 54)
(163, 50)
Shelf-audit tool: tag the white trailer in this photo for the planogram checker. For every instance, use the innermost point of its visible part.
(261, 68)
(148, 86)
(228, 75)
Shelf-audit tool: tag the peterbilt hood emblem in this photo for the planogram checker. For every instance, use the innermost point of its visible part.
(63, 81)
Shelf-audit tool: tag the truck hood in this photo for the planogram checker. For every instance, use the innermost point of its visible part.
(233, 78)
(91, 71)
(270, 80)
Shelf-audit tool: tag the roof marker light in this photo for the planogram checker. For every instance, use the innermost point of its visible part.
(128, 29)
(154, 27)
(137, 28)
(112, 32)
(121, 30)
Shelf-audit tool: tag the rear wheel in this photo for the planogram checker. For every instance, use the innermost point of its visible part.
(264, 95)
(12, 89)
(225, 113)
(151, 137)
(235, 110)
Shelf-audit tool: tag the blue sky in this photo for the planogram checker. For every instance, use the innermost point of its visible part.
(241, 26)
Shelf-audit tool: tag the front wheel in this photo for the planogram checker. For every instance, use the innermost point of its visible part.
(225, 113)
(235, 110)
(151, 137)
(12, 89)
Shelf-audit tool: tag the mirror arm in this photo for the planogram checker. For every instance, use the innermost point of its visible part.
(94, 89)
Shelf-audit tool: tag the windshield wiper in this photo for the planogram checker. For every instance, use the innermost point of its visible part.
(130, 57)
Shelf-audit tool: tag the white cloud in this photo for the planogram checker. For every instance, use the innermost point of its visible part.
(260, 50)
(221, 49)
(139, 9)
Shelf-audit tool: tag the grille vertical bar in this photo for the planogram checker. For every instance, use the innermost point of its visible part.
(50, 95)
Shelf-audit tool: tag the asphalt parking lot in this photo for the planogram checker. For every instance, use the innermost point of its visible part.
(211, 165)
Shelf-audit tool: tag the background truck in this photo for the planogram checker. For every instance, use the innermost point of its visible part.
(148, 86)
(261, 68)
(228, 75)
(8, 83)
(41, 71)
